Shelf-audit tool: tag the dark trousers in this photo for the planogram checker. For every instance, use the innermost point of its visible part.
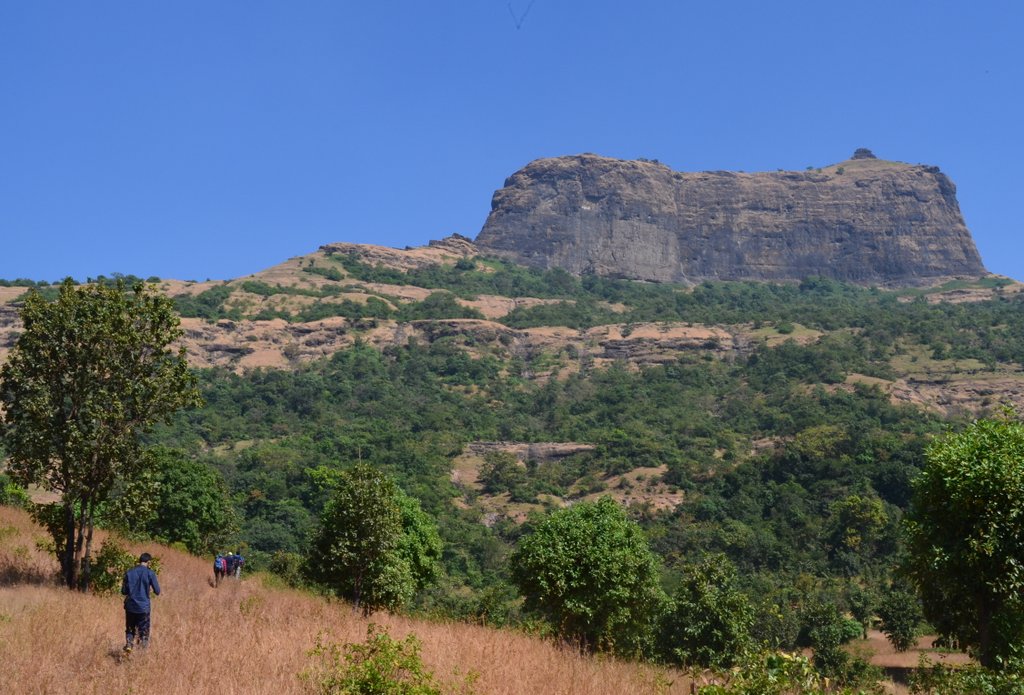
(136, 623)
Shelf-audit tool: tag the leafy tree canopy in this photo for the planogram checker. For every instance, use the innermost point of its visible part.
(176, 500)
(92, 371)
(588, 569)
(375, 545)
(900, 612)
(966, 528)
(710, 620)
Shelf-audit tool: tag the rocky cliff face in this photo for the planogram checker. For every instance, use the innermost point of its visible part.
(866, 221)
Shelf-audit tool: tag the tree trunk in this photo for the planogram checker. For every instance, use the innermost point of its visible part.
(79, 544)
(86, 565)
(67, 558)
(985, 655)
(357, 590)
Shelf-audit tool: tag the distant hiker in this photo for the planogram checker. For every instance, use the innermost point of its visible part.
(230, 562)
(135, 587)
(239, 561)
(220, 569)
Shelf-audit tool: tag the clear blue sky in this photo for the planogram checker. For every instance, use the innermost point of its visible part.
(211, 139)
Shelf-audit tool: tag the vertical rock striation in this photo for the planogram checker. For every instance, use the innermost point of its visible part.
(866, 221)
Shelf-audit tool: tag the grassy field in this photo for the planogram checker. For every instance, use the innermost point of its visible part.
(251, 637)
(247, 638)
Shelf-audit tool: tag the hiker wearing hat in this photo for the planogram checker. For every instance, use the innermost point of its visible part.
(135, 587)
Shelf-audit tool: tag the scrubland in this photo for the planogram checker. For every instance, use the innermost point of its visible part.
(248, 637)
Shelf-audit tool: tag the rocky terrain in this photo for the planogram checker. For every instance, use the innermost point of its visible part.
(547, 352)
(865, 221)
(277, 343)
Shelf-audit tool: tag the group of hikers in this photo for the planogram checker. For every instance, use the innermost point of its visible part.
(229, 565)
(140, 580)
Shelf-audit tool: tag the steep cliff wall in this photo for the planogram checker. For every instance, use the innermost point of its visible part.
(865, 220)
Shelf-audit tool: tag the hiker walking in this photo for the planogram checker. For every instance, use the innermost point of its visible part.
(239, 561)
(135, 587)
(220, 569)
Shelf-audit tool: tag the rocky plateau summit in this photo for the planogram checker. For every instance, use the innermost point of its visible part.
(865, 221)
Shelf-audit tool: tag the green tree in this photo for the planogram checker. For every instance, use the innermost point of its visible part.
(854, 525)
(966, 539)
(375, 545)
(862, 602)
(825, 630)
(588, 570)
(900, 612)
(90, 374)
(710, 619)
(179, 500)
(419, 546)
(501, 472)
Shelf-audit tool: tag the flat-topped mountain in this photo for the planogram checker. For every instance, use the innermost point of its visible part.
(865, 220)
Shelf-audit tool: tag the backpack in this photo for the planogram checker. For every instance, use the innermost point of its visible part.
(218, 564)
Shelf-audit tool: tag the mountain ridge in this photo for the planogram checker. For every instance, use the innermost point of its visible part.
(257, 323)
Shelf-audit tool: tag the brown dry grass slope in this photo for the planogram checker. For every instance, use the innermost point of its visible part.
(245, 637)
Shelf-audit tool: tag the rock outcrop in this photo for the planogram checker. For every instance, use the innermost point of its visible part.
(866, 221)
(449, 249)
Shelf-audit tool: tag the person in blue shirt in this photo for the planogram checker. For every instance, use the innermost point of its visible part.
(135, 587)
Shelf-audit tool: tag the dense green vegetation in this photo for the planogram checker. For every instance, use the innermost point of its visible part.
(807, 522)
(174, 499)
(794, 482)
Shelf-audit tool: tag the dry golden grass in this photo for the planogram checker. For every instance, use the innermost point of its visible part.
(246, 638)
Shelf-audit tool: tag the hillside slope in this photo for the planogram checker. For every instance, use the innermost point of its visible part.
(245, 638)
(309, 307)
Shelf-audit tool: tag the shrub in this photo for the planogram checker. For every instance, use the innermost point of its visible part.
(109, 566)
(769, 674)
(287, 566)
(379, 666)
(12, 494)
(966, 680)
(900, 612)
